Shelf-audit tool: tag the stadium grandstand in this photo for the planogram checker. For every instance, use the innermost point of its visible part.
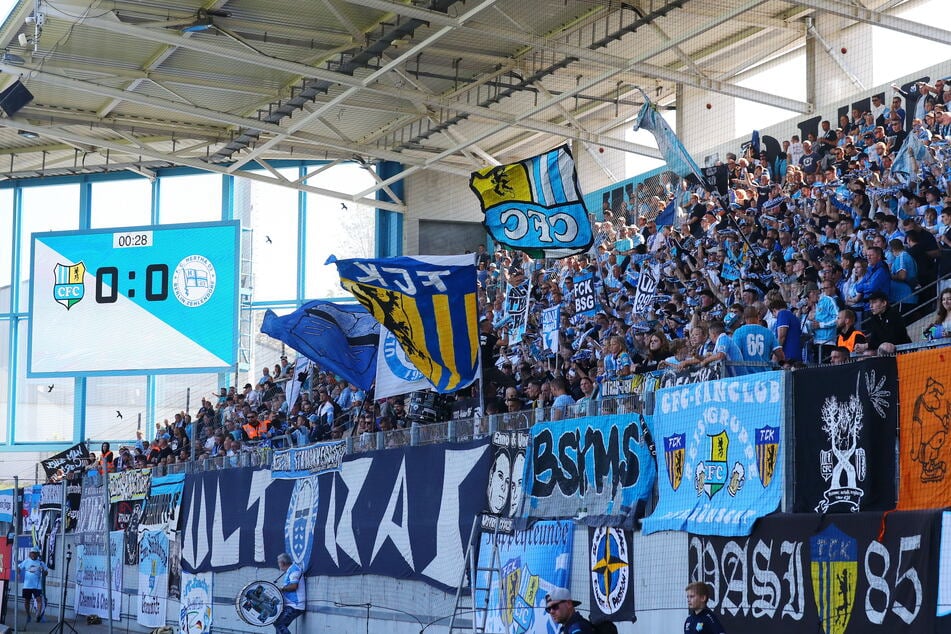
(367, 315)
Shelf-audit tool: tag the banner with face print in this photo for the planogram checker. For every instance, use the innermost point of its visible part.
(505, 480)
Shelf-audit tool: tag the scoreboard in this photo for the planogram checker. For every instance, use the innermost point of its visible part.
(134, 300)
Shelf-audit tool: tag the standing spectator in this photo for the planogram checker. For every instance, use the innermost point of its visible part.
(786, 328)
(560, 606)
(884, 328)
(32, 571)
(848, 336)
(701, 619)
(756, 342)
(563, 401)
(291, 585)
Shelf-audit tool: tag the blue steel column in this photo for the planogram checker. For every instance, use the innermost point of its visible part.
(14, 298)
(389, 224)
(79, 383)
(301, 240)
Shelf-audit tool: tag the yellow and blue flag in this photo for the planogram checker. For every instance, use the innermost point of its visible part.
(429, 304)
(535, 205)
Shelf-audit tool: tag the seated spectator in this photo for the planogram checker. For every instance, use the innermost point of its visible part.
(839, 355)
(941, 323)
(884, 327)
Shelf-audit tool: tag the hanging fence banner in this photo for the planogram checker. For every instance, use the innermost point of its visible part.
(197, 603)
(672, 378)
(531, 563)
(846, 419)
(403, 513)
(93, 508)
(598, 470)
(505, 490)
(153, 579)
(92, 591)
(303, 462)
(924, 451)
(6, 505)
(76, 458)
(535, 205)
(722, 464)
(162, 508)
(798, 573)
(612, 574)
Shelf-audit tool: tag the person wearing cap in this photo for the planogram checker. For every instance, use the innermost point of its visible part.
(32, 571)
(885, 327)
(701, 619)
(292, 586)
(561, 607)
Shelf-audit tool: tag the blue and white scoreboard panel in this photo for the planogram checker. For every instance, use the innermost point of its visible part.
(134, 300)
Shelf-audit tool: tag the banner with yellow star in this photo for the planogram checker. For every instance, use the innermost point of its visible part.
(612, 574)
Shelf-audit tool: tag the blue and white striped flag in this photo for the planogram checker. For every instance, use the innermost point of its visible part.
(673, 151)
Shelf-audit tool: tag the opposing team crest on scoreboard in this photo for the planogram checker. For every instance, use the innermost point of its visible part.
(834, 570)
(674, 447)
(710, 475)
(767, 450)
(68, 288)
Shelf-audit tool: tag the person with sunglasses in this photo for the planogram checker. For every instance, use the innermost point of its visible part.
(560, 606)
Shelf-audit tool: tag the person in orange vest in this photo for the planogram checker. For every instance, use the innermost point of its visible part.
(254, 429)
(848, 337)
(106, 462)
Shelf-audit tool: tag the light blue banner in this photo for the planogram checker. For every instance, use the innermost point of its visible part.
(531, 564)
(595, 469)
(719, 454)
(6, 505)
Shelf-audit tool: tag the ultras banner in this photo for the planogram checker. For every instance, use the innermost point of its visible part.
(798, 573)
(720, 454)
(402, 513)
(530, 564)
(92, 591)
(599, 469)
(845, 426)
(611, 564)
(153, 579)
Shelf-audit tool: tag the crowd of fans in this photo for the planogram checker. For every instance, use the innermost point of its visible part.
(825, 251)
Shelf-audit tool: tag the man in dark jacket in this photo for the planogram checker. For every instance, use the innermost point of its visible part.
(885, 327)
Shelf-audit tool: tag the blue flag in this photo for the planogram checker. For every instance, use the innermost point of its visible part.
(668, 214)
(535, 205)
(338, 337)
(909, 159)
(673, 151)
(429, 304)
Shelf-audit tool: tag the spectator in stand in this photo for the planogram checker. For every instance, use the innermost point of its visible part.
(839, 355)
(786, 329)
(876, 279)
(848, 336)
(561, 406)
(884, 327)
(940, 325)
(756, 342)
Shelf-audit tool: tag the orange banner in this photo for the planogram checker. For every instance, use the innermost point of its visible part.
(924, 455)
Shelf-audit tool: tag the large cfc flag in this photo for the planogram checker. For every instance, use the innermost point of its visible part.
(429, 304)
(535, 205)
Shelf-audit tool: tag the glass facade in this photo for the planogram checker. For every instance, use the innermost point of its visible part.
(287, 238)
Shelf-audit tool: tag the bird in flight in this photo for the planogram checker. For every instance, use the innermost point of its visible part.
(268, 239)
(343, 206)
(118, 414)
(49, 388)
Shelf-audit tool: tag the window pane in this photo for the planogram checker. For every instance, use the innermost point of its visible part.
(274, 221)
(121, 203)
(4, 377)
(6, 247)
(266, 351)
(106, 397)
(47, 208)
(42, 414)
(192, 198)
(333, 230)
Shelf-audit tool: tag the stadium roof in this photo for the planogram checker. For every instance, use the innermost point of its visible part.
(434, 84)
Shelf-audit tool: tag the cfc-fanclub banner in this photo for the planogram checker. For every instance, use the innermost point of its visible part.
(720, 454)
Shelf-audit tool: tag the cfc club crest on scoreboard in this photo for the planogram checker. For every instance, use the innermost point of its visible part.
(68, 288)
